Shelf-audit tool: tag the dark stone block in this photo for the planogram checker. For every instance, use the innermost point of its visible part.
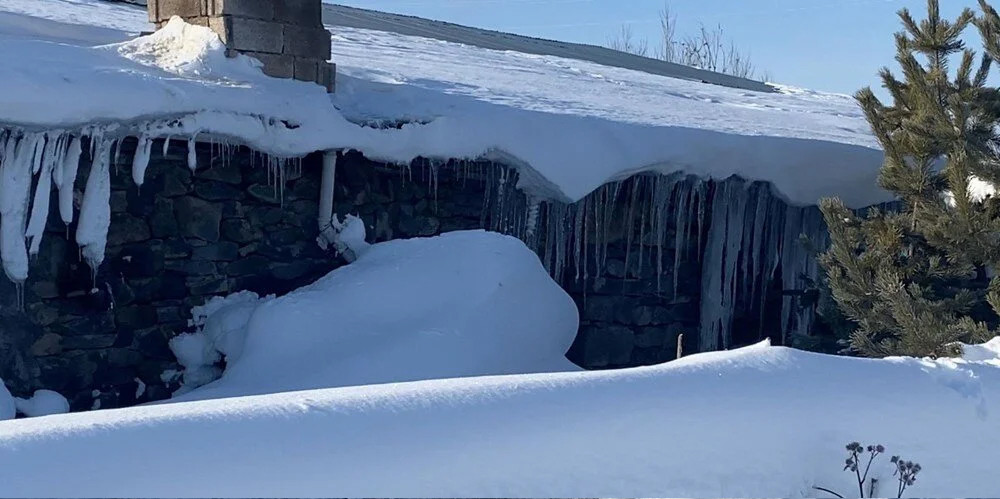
(136, 317)
(251, 265)
(92, 324)
(44, 289)
(140, 260)
(176, 248)
(222, 171)
(207, 285)
(221, 251)
(163, 221)
(154, 342)
(197, 218)
(291, 271)
(88, 342)
(240, 230)
(419, 226)
(601, 347)
(193, 267)
(216, 191)
(264, 193)
(176, 180)
(127, 229)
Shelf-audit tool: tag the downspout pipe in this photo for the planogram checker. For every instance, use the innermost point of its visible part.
(327, 232)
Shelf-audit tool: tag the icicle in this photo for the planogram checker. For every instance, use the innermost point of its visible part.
(192, 157)
(681, 229)
(20, 156)
(140, 161)
(558, 218)
(95, 211)
(532, 223)
(67, 179)
(719, 280)
(166, 145)
(630, 221)
(578, 215)
(54, 158)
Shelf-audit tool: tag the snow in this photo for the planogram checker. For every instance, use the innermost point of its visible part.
(42, 403)
(978, 190)
(756, 422)
(7, 407)
(986, 352)
(461, 304)
(349, 236)
(574, 124)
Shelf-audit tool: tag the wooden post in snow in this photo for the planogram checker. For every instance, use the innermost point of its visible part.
(680, 345)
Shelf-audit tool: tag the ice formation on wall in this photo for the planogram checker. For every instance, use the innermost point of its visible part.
(33, 163)
(745, 240)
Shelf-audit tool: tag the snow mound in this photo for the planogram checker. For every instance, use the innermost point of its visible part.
(755, 422)
(985, 352)
(7, 408)
(460, 304)
(42, 403)
(185, 49)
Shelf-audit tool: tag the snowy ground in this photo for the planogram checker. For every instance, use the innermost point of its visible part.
(756, 422)
(461, 304)
(576, 123)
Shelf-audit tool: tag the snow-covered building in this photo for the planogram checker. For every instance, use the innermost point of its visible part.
(142, 176)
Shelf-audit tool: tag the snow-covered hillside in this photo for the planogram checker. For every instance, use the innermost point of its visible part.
(576, 123)
(755, 422)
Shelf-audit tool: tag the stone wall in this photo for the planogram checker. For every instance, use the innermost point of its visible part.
(182, 238)
(287, 36)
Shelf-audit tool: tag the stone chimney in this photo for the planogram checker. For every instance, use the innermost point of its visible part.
(286, 35)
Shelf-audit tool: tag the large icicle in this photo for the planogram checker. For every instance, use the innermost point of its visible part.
(192, 156)
(21, 154)
(721, 262)
(95, 211)
(66, 179)
(140, 161)
(54, 152)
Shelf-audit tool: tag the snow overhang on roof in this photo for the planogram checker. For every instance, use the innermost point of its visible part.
(576, 124)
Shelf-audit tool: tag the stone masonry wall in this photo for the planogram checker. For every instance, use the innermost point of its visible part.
(102, 340)
(287, 36)
(182, 238)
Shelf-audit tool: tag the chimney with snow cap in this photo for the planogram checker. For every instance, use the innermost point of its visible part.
(286, 35)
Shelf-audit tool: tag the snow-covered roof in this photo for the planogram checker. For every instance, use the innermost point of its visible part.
(571, 124)
(342, 16)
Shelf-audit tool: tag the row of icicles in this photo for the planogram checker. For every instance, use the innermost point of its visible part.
(742, 236)
(50, 160)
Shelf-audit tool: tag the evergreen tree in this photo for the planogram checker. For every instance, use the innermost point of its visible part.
(915, 280)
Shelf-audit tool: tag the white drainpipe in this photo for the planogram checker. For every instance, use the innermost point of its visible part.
(325, 218)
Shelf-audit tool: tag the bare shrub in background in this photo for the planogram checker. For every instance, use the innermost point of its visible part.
(707, 48)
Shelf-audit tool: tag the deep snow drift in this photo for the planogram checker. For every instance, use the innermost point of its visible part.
(755, 422)
(576, 123)
(461, 304)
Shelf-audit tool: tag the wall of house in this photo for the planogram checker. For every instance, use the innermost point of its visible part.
(182, 238)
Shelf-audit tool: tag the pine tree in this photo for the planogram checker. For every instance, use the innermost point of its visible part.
(914, 279)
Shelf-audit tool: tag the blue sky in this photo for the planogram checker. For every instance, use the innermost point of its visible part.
(833, 45)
